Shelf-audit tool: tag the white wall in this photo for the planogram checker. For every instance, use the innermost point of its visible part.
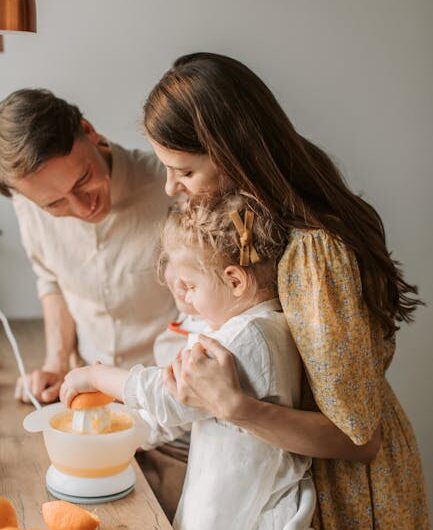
(355, 77)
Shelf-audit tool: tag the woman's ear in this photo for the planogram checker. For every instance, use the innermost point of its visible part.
(237, 279)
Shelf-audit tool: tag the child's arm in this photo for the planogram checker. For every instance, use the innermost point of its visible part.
(140, 388)
(144, 390)
(111, 380)
(107, 379)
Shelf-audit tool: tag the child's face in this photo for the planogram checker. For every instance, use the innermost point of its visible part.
(178, 290)
(213, 302)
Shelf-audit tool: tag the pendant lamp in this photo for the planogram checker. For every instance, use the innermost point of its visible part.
(17, 15)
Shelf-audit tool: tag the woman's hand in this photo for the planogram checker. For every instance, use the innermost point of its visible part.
(76, 382)
(205, 377)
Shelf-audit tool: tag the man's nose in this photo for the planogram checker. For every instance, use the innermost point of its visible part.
(80, 205)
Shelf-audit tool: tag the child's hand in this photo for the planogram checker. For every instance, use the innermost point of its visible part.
(76, 382)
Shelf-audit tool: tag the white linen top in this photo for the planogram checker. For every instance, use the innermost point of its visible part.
(234, 480)
(105, 271)
(169, 343)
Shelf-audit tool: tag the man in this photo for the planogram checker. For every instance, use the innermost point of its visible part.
(88, 212)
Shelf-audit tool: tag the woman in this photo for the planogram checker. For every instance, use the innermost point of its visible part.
(215, 125)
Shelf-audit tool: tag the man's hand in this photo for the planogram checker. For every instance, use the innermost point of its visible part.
(44, 385)
(61, 342)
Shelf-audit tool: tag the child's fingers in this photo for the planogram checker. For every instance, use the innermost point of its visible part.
(62, 393)
(67, 394)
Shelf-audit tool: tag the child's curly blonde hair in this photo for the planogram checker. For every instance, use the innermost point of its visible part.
(205, 225)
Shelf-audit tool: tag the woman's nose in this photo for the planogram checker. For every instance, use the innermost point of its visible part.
(172, 186)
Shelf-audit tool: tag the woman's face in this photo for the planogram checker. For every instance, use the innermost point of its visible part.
(189, 173)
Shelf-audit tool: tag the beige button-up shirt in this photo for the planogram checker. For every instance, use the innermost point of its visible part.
(106, 271)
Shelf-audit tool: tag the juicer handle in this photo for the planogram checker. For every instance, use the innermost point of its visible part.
(39, 420)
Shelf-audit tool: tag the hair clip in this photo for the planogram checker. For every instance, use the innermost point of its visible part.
(248, 253)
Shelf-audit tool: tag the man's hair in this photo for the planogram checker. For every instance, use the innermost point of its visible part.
(35, 126)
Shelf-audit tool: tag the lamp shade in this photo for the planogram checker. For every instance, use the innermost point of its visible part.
(17, 15)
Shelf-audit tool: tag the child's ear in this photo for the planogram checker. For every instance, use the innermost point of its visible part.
(237, 279)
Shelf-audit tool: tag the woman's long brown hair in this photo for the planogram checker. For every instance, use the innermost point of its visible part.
(209, 103)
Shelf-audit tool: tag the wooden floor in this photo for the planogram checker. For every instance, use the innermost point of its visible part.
(24, 460)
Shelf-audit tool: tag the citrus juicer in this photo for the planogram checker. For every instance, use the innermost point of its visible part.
(91, 414)
(90, 464)
(85, 468)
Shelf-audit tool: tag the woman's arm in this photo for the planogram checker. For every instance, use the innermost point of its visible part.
(298, 431)
(209, 381)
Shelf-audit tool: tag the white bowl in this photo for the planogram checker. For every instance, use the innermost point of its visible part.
(86, 455)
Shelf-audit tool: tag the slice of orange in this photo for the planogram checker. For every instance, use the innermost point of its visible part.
(62, 515)
(89, 400)
(8, 516)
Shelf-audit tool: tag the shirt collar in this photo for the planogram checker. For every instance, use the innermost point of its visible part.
(268, 305)
(119, 173)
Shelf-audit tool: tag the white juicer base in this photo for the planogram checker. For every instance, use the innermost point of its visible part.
(90, 487)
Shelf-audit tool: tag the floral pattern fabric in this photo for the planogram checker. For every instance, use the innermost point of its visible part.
(345, 356)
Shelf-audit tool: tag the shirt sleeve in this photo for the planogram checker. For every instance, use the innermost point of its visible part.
(144, 390)
(321, 295)
(46, 280)
(252, 356)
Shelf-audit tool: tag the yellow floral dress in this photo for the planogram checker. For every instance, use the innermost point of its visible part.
(345, 357)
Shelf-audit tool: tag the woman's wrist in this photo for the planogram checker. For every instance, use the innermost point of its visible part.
(237, 408)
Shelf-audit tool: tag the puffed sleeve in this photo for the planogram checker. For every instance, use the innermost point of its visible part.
(320, 291)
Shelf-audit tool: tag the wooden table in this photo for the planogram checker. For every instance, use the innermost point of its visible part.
(24, 460)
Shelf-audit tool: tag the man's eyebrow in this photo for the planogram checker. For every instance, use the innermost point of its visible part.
(83, 174)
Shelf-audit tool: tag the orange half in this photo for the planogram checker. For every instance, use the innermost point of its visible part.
(62, 515)
(90, 400)
(8, 516)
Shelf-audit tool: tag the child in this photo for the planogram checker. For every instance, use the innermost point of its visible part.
(225, 253)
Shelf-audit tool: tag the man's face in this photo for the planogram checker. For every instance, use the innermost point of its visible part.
(75, 185)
